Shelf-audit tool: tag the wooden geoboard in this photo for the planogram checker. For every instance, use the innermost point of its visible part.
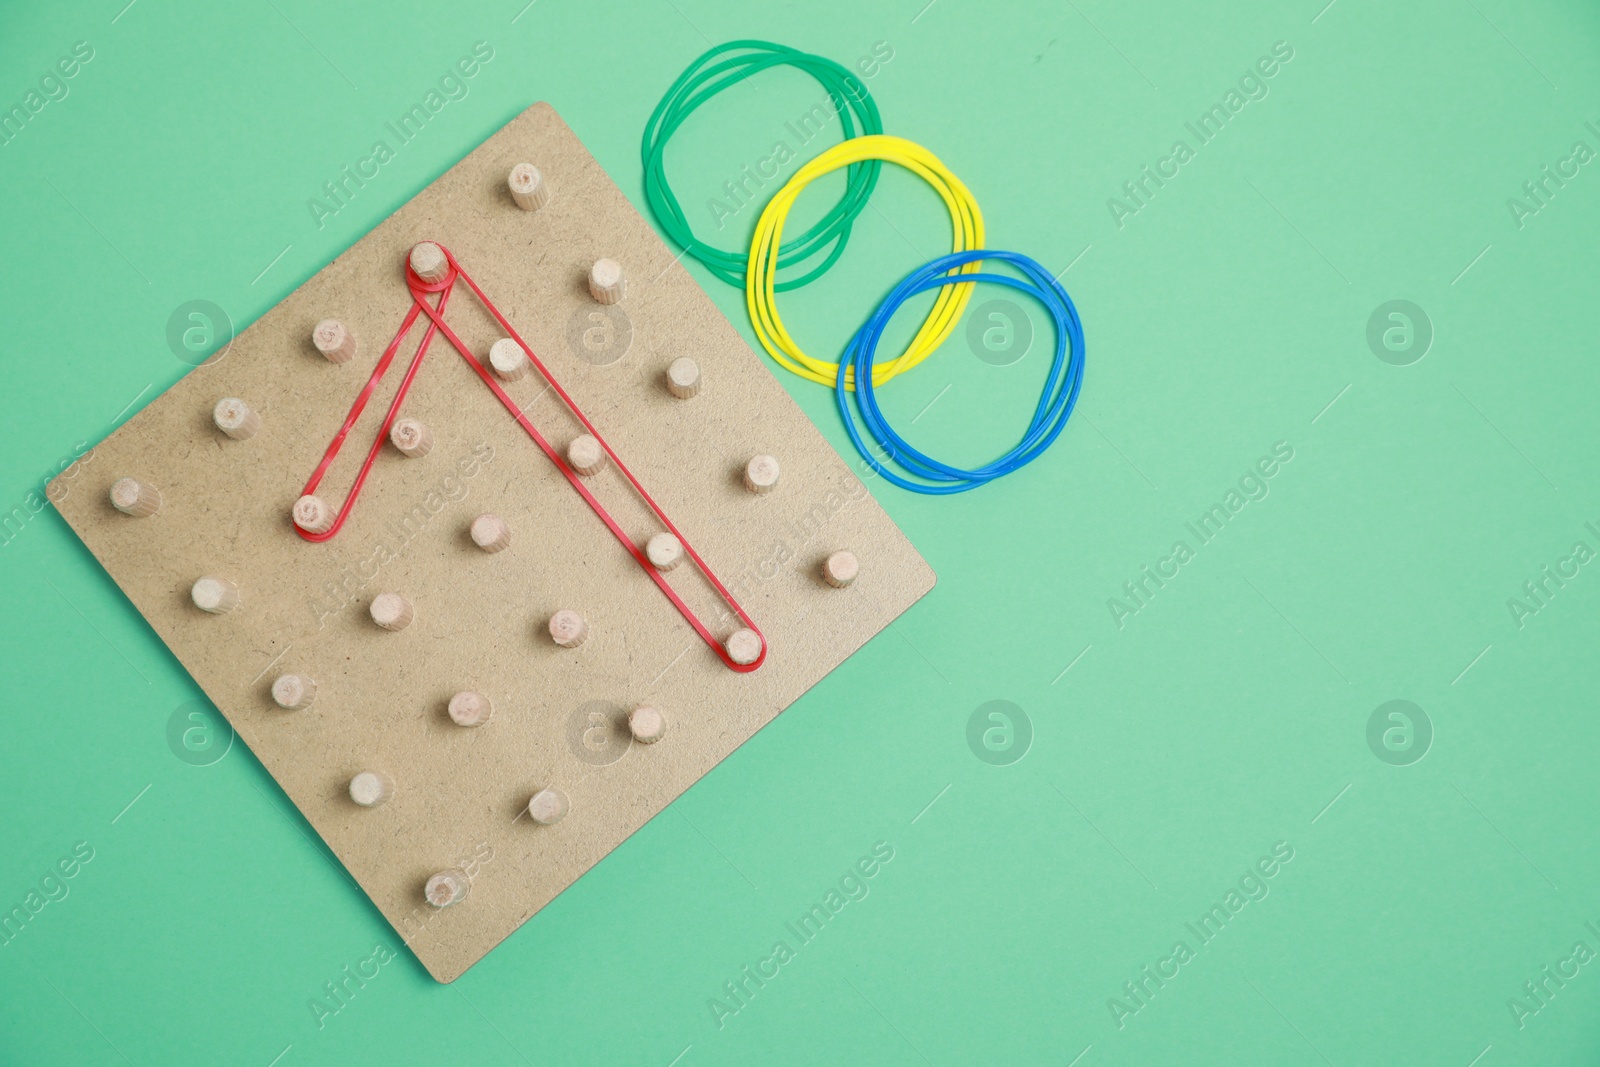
(481, 619)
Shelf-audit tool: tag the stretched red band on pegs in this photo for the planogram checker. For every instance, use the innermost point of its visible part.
(421, 289)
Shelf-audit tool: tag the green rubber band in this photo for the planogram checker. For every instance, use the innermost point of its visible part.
(704, 79)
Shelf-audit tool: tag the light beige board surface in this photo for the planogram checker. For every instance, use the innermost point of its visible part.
(480, 623)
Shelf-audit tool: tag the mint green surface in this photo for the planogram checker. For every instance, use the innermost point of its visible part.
(1226, 716)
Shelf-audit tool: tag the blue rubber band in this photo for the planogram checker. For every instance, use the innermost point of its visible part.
(1056, 400)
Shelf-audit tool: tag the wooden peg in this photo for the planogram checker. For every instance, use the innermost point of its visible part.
(606, 281)
(761, 474)
(508, 361)
(216, 595)
(412, 437)
(313, 514)
(391, 611)
(135, 498)
(841, 569)
(236, 418)
(490, 533)
(371, 788)
(664, 551)
(568, 629)
(646, 724)
(334, 340)
(528, 187)
(586, 455)
(470, 709)
(683, 377)
(295, 692)
(447, 888)
(744, 647)
(429, 262)
(548, 806)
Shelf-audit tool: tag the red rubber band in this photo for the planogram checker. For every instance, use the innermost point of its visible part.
(419, 291)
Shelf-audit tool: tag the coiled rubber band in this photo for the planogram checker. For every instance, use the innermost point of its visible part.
(1056, 400)
(760, 279)
(704, 79)
(421, 291)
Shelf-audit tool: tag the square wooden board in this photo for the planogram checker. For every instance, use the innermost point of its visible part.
(481, 618)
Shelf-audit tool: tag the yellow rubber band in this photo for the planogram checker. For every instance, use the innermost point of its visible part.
(761, 275)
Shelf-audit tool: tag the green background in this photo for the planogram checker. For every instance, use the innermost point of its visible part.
(1167, 755)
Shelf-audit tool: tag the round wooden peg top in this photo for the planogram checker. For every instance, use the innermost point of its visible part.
(411, 437)
(470, 709)
(548, 806)
(391, 611)
(664, 551)
(508, 360)
(216, 595)
(586, 455)
(744, 647)
(236, 418)
(429, 262)
(132, 497)
(371, 788)
(841, 568)
(761, 474)
(683, 377)
(334, 340)
(294, 692)
(528, 187)
(490, 533)
(647, 724)
(568, 629)
(447, 888)
(313, 514)
(605, 281)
